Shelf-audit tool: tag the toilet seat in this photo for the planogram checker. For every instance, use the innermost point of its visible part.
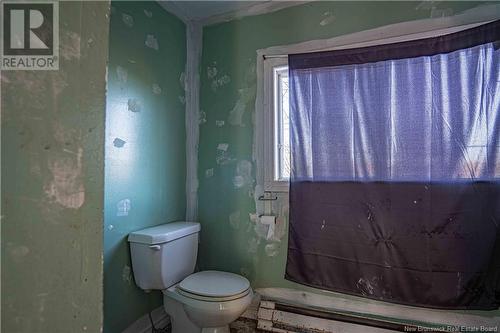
(214, 286)
(212, 299)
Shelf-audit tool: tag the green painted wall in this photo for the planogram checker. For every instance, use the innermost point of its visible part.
(52, 182)
(229, 240)
(145, 145)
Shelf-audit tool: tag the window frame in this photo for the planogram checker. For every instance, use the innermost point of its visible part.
(271, 151)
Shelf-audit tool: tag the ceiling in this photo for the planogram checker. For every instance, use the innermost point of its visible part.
(209, 10)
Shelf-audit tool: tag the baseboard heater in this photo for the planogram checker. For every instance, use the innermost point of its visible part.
(286, 318)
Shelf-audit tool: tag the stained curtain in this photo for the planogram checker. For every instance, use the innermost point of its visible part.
(395, 177)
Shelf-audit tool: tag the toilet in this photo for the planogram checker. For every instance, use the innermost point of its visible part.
(164, 258)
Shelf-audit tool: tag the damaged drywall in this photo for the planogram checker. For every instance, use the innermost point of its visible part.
(52, 182)
(145, 146)
(228, 204)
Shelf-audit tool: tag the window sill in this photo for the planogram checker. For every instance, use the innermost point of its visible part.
(276, 186)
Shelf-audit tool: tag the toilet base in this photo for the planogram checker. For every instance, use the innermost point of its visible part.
(223, 329)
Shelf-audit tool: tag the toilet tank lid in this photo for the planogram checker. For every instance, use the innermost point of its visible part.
(164, 233)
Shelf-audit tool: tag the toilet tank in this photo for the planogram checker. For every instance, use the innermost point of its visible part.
(164, 255)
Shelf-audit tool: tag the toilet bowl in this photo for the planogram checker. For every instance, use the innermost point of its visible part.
(163, 258)
(209, 301)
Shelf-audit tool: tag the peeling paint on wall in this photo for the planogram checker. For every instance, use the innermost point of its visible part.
(209, 173)
(271, 249)
(212, 71)
(122, 74)
(246, 96)
(219, 123)
(243, 175)
(223, 157)
(183, 81)
(127, 274)
(123, 207)
(152, 42)
(133, 105)
(66, 186)
(202, 118)
(156, 89)
(128, 20)
(220, 82)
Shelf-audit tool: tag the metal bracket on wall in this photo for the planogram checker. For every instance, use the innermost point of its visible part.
(268, 196)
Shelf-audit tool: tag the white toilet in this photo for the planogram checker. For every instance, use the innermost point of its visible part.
(164, 257)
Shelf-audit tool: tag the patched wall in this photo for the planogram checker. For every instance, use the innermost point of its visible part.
(145, 145)
(53, 180)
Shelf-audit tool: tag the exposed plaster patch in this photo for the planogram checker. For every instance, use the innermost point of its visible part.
(212, 71)
(70, 45)
(119, 143)
(223, 157)
(148, 13)
(133, 105)
(243, 175)
(253, 245)
(223, 146)
(209, 173)
(328, 18)
(66, 187)
(132, 61)
(219, 123)
(152, 42)
(127, 274)
(183, 81)
(156, 89)
(128, 20)
(234, 219)
(122, 74)
(236, 114)
(272, 249)
(217, 81)
(220, 81)
(182, 99)
(123, 207)
(202, 117)
(17, 252)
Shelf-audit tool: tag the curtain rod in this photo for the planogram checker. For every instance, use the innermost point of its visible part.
(274, 56)
(385, 39)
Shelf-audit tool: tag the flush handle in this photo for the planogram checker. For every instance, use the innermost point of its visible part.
(155, 247)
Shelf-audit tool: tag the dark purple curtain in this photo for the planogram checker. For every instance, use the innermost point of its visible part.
(395, 178)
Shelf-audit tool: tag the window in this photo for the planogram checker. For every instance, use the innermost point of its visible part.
(277, 135)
